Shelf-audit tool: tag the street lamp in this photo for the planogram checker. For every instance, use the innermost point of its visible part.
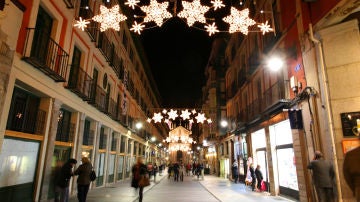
(275, 63)
(138, 125)
(224, 123)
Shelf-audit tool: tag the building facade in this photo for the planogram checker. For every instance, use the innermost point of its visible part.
(279, 119)
(67, 93)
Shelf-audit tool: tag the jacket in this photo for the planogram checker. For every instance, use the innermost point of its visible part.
(64, 175)
(259, 175)
(83, 171)
(323, 173)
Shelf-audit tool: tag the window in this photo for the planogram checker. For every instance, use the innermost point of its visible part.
(65, 128)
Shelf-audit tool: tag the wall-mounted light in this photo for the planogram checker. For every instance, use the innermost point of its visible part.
(275, 63)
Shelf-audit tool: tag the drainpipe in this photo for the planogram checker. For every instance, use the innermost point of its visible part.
(327, 105)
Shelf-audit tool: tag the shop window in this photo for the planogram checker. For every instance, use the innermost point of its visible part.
(122, 144)
(102, 139)
(120, 167)
(100, 170)
(111, 168)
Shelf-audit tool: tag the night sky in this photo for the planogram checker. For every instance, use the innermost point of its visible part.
(177, 56)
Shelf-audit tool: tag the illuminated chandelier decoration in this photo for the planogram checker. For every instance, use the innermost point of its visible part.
(193, 12)
(179, 139)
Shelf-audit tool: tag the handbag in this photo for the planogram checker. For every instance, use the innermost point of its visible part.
(144, 181)
(92, 175)
(263, 186)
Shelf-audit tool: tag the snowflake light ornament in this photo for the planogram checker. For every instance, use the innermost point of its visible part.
(148, 120)
(265, 27)
(211, 28)
(81, 24)
(185, 114)
(156, 12)
(132, 3)
(157, 117)
(172, 114)
(217, 4)
(200, 118)
(109, 18)
(193, 12)
(239, 21)
(137, 28)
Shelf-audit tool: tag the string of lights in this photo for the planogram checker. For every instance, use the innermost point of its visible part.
(192, 12)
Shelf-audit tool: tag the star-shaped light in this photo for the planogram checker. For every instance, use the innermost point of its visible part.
(132, 3)
(211, 29)
(156, 12)
(185, 114)
(200, 118)
(137, 28)
(191, 121)
(109, 18)
(157, 117)
(81, 24)
(193, 12)
(217, 4)
(265, 27)
(164, 111)
(172, 114)
(148, 120)
(193, 111)
(209, 121)
(239, 21)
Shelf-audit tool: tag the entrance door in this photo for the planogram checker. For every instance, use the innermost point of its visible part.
(262, 161)
(42, 34)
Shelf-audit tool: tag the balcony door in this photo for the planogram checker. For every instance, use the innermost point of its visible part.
(75, 65)
(42, 35)
(95, 81)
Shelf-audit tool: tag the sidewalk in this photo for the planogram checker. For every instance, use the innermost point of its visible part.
(211, 189)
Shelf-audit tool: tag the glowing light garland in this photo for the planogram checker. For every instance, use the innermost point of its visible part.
(192, 12)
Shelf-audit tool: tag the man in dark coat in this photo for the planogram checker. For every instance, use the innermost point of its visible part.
(323, 177)
(83, 181)
(63, 181)
(235, 171)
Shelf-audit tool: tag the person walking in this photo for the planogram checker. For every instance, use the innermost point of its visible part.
(253, 176)
(323, 177)
(62, 181)
(83, 181)
(259, 177)
(235, 171)
(155, 171)
(352, 172)
(138, 170)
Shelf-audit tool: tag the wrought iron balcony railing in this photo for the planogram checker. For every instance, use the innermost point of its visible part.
(65, 134)
(98, 98)
(88, 138)
(45, 54)
(80, 82)
(105, 47)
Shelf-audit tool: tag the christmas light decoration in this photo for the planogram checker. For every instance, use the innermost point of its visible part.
(81, 24)
(200, 118)
(239, 21)
(172, 114)
(137, 28)
(193, 12)
(109, 18)
(185, 114)
(157, 117)
(211, 29)
(265, 27)
(156, 12)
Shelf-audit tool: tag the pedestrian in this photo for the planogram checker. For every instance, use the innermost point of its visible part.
(138, 170)
(176, 169)
(259, 177)
(83, 181)
(155, 170)
(351, 171)
(323, 177)
(253, 176)
(62, 179)
(235, 171)
(170, 170)
(181, 171)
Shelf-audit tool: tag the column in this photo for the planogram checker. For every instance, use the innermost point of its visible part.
(50, 149)
(80, 135)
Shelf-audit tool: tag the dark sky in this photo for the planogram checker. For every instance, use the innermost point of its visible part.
(177, 56)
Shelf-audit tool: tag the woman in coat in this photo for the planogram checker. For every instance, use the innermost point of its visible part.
(83, 181)
(253, 177)
(138, 170)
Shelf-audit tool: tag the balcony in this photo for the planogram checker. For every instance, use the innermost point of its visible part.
(112, 108)
(98, 98)
(105, 47)
(116, 64)
(46, 55)
(93, 27)
(80, 83)
(26, 123)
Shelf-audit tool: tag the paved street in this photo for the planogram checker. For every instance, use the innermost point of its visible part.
(211, 189)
